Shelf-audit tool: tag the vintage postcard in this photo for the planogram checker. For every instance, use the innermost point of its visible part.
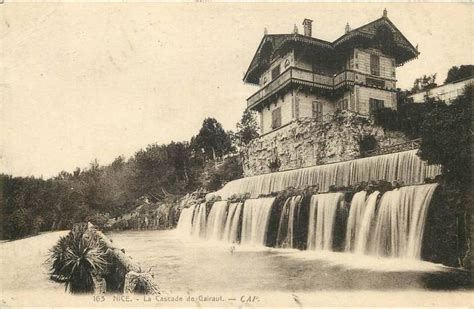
(236, 154)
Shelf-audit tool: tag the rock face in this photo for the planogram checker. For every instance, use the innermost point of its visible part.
(308, 142)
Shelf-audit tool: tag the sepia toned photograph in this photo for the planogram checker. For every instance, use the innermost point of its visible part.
(298, 154)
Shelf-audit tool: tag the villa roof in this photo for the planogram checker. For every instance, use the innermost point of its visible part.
(271, 44)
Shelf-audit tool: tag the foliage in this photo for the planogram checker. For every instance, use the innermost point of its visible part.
(367, 143)
(408, 118)
(212, 140)
(446, 236)
(247, 128)
(76, 259)
(99, 219)
(425, 82)
(387, 118)
(19, 223)
(230, 169)
(457, 73)
(98, 193)
(446, 134)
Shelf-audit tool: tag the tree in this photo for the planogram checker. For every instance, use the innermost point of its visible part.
(247, 128)
(446, 134)
(212, 140)
(19, 224)
(446, 139)
(426, 82)
(457, 73)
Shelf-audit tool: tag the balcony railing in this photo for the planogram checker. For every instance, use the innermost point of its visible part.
(302, 76)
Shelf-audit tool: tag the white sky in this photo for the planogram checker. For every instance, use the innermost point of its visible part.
(85, 81)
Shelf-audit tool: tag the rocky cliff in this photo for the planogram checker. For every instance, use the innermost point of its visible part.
(307, 142)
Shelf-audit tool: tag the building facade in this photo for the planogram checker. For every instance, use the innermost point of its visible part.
(300, 76)
(447, 92)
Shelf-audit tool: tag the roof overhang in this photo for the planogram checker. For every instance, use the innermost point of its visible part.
(273, 45)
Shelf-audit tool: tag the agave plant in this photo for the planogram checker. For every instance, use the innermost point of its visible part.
(56, 258)
(75, 260)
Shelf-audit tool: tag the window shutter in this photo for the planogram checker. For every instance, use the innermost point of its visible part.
(276, 118)
(317, 110)
(275, 72)
(374, 65)
(375, 104)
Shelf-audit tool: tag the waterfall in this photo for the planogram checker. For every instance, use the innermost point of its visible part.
(322, 214)
(231, 228)
(355, 215)
(255, 220)
(199, 221)
(288, 219)
(366, 222)
(401, 220)
(381, 236)
(404, 166)
(216, 220)
(391, 224)
(186, 220)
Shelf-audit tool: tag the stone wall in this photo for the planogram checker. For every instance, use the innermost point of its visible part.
(307, 142)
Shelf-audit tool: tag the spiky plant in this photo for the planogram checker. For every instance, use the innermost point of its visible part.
(56, 258)
(76, 259)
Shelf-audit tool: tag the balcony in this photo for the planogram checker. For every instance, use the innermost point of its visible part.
(303, 77)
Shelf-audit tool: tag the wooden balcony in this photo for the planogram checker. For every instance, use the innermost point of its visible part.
(303, 77)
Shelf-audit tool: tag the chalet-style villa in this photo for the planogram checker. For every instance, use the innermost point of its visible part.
(301, 76)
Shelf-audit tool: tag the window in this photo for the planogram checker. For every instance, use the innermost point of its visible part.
(342, 104)
(275, 72)
(276, 118)
(375, 65)
(375, 104)
(375, 82)
(318, 110)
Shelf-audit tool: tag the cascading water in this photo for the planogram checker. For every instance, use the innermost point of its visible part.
(199, 221)
(322, 215)
(255, 220)
(355, 215)
(365, 224)
(289, 215)
(402, 166)
(401, 220)
(185, 221)
(231, 228)
(216, 220)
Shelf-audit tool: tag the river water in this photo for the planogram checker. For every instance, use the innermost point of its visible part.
(187, 264)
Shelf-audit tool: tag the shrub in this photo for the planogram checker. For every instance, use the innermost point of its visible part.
(387, 118)
(19, 224)
(75, 260)
(366, 143)
(446, 138)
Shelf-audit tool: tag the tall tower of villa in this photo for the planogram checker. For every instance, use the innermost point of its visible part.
(302, 76)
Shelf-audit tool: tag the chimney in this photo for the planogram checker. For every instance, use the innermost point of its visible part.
(295, 29)
(348, 28)
(307, 26)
